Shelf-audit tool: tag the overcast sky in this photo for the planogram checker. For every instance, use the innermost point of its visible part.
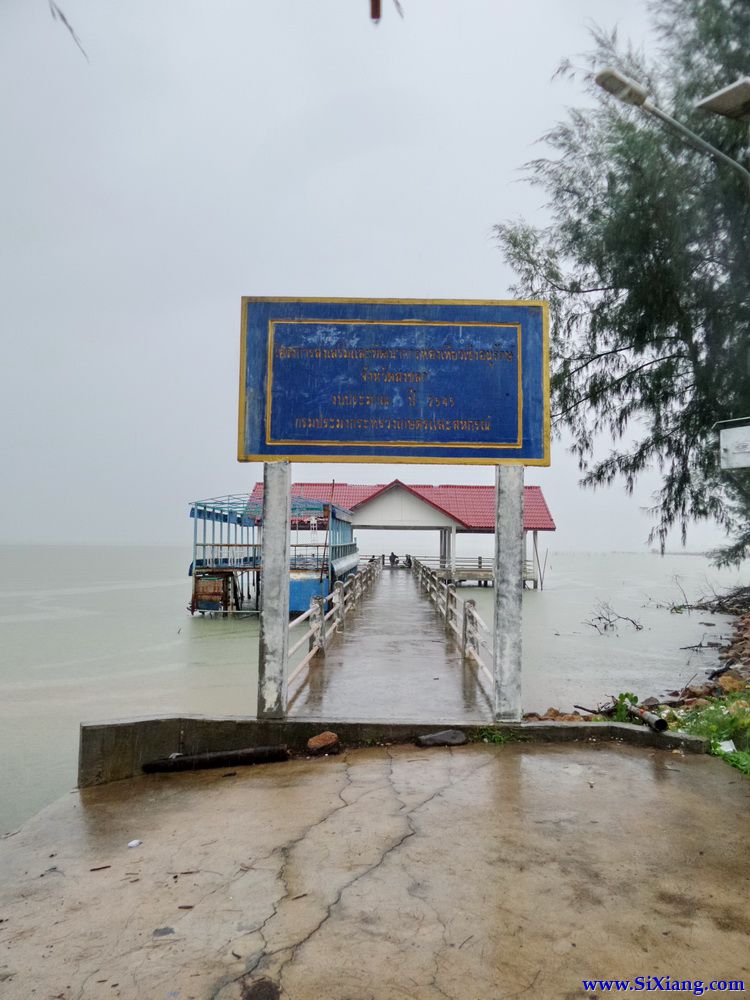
(213, 149)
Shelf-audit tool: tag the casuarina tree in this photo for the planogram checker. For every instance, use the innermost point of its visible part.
(646, 264)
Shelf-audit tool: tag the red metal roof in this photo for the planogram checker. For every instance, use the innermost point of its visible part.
(472, 506)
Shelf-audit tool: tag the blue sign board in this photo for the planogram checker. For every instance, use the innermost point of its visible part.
(394, 380)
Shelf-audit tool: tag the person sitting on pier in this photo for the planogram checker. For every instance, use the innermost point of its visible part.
(407, 561)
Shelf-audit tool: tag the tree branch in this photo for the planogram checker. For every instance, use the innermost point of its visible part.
(615, 382)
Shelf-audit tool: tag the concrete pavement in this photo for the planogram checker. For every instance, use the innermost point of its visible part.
(384, 874)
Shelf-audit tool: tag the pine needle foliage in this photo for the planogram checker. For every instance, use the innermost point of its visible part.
(646, 265)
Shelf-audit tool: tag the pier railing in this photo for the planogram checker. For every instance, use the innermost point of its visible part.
(325, 616)
(465, 625)
(475, 568)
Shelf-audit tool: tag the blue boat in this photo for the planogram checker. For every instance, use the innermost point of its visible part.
(226, 568)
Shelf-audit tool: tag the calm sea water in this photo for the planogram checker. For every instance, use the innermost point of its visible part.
(90, 634)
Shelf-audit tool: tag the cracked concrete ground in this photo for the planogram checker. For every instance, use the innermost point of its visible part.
(474, 873)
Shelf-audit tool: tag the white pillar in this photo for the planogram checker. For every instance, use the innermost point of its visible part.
(508, 591)
(274, 616)
(452, 557)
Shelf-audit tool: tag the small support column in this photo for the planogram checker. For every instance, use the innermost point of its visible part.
(318, 621)
(508, 592)
(450, 604)
(338, 599)
(452, 553)
(467, 626)
(274, 616)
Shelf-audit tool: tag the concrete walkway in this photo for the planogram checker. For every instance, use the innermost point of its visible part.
(479, 873)
(393, 660)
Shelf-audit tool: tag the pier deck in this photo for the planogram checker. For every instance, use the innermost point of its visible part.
(392, 660)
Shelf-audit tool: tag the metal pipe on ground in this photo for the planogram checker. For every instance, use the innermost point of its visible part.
(654, 722)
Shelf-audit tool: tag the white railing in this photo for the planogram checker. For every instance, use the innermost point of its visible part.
(464, 565)
(324, 624)
(467, 628)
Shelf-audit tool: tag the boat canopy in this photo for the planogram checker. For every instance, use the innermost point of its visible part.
(247, 511)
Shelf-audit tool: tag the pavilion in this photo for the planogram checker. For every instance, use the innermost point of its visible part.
(450, 509)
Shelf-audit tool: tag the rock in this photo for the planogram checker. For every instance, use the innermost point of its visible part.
(551, 713)
(649, 702)
(445, 738)
(729, 684)
(698, 690)
(326, 742)
(701, 703)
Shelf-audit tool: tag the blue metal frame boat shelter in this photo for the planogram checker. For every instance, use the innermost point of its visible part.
(226, 566)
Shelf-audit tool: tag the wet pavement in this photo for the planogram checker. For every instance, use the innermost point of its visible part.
(393, 660)
(473, 873)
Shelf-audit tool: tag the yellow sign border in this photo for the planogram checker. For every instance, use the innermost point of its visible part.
(518, 443)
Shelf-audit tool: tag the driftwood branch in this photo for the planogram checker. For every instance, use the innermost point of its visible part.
(606, 619)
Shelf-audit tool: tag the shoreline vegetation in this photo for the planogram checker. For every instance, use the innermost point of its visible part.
(722, 712)
(717, 707)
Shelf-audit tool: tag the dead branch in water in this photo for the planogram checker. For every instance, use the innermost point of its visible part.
(606, 619)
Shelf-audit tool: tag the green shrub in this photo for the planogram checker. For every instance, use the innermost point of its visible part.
(722, 719)
(622, 701)
(740, 760)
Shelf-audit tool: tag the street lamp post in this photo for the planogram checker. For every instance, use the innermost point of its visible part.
(734, 102)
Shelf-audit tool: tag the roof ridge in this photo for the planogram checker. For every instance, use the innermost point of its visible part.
(414, 486)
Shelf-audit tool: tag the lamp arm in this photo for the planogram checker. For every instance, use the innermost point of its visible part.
(695, 140)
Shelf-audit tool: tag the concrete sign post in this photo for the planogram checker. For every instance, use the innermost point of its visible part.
(394, 380)
(274, 615)
(506, 655)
